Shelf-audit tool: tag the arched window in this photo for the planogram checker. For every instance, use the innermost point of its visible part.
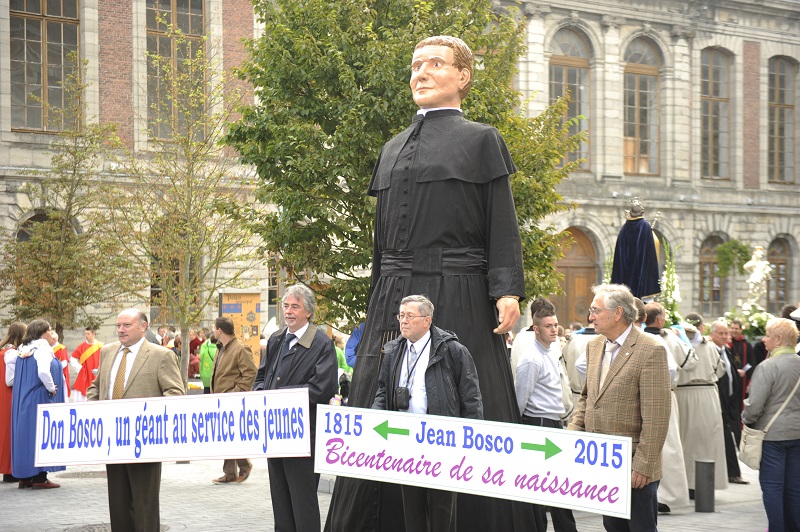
(782, 75)
(24, 231)
(569, 73)
(711, 286)
(715, 100)
(642, 63)
(779, 256)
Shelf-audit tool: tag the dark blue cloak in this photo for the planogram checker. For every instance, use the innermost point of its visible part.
(635, 260)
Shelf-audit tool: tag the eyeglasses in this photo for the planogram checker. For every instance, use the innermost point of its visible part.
(594, 311)
(409, 317)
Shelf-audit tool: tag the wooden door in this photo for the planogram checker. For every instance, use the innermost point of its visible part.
(580, 273)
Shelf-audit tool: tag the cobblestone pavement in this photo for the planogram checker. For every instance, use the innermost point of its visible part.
(189, 501)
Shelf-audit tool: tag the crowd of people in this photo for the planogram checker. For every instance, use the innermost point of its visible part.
(32, 376)
(718, 380)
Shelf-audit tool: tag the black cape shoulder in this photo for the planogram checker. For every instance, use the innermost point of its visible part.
(449, 147)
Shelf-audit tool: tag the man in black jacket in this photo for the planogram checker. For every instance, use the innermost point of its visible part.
(301, 355)
(426, 371)
(729, 386)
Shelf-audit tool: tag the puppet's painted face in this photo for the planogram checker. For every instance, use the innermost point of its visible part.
(435, 82)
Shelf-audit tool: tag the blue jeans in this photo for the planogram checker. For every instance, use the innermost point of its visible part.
(779, 477)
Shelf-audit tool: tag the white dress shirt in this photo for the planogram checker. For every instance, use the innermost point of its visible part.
(415, 380)
(134, 350)
(10, 360)
(298, 334)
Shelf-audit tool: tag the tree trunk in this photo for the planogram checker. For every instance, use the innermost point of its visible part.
(185, 354)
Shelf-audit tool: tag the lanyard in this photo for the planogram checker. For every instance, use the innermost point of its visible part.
(410, 372)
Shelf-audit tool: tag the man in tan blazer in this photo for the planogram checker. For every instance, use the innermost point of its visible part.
(627, 393)
(134, 368)
(234, 371)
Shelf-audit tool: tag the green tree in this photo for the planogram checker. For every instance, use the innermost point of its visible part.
(731, 257)
(62, 264)
(332, 83)
(168, 211)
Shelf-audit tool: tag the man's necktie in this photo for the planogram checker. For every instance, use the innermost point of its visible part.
(610, 347)
(284, 351)
(413, 356)
(119, 380)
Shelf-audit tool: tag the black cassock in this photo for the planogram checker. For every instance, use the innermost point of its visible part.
(445, 228)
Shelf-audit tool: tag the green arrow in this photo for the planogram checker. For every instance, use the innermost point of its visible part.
(384, 430)
(549, 448)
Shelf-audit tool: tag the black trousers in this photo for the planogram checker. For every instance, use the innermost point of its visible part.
(429, 510)
(293, 485)
(733, 433)
(563, 520)
(644, 512)
(133, 497)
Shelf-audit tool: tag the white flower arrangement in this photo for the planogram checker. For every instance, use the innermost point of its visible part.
(670, 287)
(753, 317)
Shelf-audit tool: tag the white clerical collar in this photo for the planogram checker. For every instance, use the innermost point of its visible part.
(423, 112)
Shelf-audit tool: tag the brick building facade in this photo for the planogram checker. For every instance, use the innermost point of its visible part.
(114, 36)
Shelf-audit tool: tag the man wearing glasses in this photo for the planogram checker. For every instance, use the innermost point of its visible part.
(417, 373)
(446, 227)
(627, 393)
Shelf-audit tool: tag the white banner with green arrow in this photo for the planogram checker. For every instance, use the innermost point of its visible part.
(578, 470)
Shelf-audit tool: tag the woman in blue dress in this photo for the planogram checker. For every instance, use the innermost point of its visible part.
(37, 380)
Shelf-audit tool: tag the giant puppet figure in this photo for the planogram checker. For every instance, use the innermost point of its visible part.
(445, 227)
(635, 255)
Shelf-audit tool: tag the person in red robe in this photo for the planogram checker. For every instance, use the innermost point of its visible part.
(195, 341)
(87, 359)
(62, 355)
(8, 347)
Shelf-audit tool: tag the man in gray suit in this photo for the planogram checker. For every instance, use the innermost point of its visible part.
(134, 368)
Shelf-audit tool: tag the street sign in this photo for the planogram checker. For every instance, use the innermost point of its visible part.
(268, 424)
(568, 469)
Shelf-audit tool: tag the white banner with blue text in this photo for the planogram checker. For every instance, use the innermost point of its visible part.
(568, 469)
(268, 424)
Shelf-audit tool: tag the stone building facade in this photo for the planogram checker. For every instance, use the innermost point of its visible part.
(690, 106)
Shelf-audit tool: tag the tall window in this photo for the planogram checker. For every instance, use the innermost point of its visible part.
(782, 74)
(164, 19)
(711, 289)
(641, 107)
(569, 73)
(43, 33)
(777, 287)
(715, 99)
